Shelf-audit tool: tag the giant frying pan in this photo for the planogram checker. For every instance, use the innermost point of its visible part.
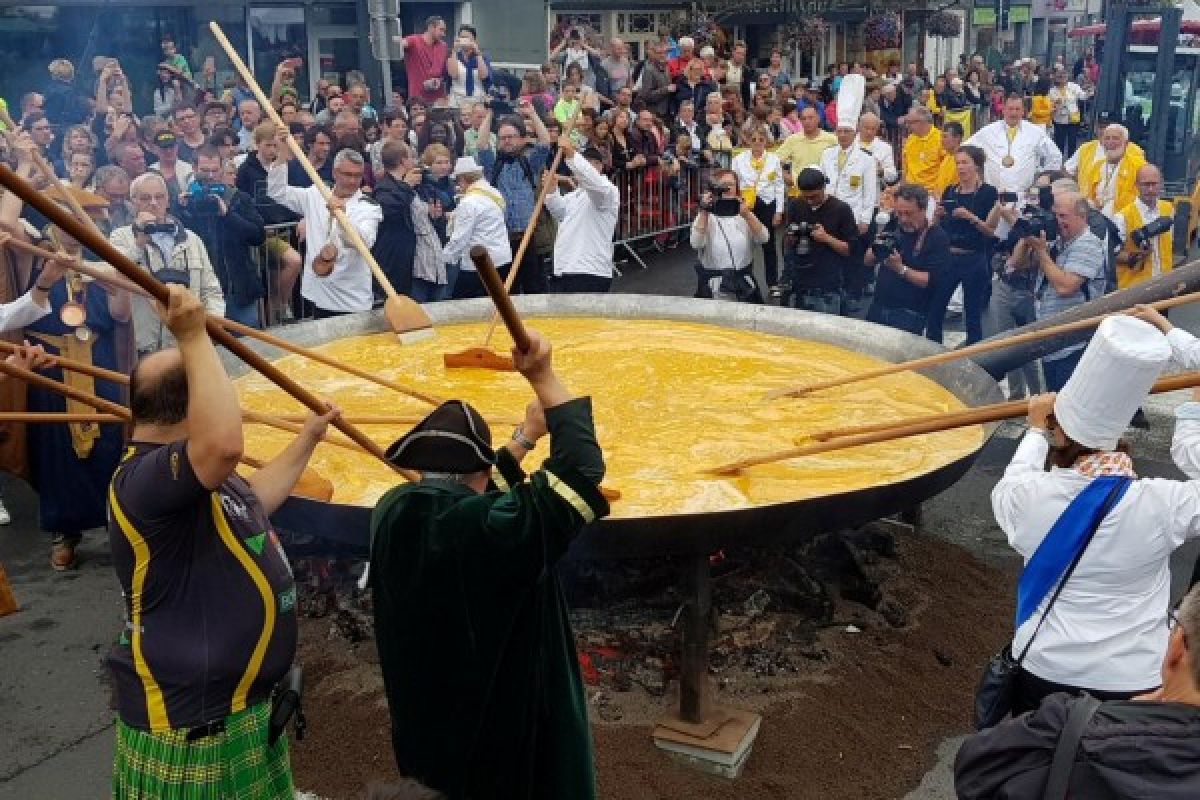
(332, 527)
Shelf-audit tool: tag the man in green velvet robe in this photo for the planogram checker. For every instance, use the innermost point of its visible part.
(478, 658)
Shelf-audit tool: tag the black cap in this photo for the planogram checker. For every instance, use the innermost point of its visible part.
(810, 178)
(454, 438)
(165, 139)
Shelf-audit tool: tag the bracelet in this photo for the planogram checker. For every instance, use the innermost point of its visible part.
(903, 270)
(519, 437)
(41, 288)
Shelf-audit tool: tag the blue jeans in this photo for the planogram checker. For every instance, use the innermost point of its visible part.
(426, 291)
(1056, 371)
(973, 271)
(246, 314)
(904, 319)
(447, 291)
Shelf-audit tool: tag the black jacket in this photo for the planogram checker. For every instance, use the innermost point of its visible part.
(228, 240)
(396, 243)
(252, 179)
(1130, 749)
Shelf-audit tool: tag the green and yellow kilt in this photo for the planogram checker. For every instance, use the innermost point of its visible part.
(236, 764)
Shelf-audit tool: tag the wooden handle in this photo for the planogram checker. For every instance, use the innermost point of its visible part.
(931, 424)
(270, 421)
(41, 381)
(52, 180)
(116, 281)
(504, 306)
(975, 349)
(62, 362)
(321, 358)
(356, 241)
(90, 237)
(527, 237)
(58, 417)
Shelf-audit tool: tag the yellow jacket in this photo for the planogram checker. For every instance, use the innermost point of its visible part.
(1091, 172)
(1131, 217)
(923, 158)
(947, 175)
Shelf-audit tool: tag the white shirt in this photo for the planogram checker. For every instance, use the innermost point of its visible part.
(856, 182)
(183, 174)
(1066, 101)
(767, 182)
(587, 218)
(478, 219)
(726, 243)
(1149, 214)
(1032, 152)
(21, 312)
(884, 155)
(1107, 630)
(348, 286)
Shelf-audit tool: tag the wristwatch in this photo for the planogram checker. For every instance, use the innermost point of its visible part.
(903, 270)
(519, 437)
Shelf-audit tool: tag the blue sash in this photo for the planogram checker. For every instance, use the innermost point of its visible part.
(1065, 542)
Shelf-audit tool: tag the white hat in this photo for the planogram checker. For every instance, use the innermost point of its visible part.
(466, 165)
(687, 41)
(850, 100)
(707, 51)
(1121, 363)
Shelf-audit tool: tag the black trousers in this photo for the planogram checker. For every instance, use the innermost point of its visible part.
(766, 215)
(1031, 690)
(325, 313)
(531, 279)
(469, 284)
(1066, 136)
(584, 284)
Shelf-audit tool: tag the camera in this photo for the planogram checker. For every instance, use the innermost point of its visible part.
(202, 196)
(1032, 223)
(802, 233)
(1007, 197)
(721, 205)
(1151, 230)
(949, 204)
(884, 245)
(498, 101)
(159, 227)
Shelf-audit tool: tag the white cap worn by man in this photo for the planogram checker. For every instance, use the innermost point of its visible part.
(851, 170)
(478, 220)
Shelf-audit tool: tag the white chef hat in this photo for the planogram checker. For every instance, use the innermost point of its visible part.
(1121, 363)
(850, 100)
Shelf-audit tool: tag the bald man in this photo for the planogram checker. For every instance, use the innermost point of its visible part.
(869, 140)
(1146, 208)
(210, 602)
(1107, 169)
(923, 151)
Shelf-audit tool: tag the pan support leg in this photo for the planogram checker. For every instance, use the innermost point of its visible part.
(695, 700)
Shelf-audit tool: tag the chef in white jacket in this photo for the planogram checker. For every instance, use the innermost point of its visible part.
(1106, 633)
(587, 218)
(1016, 149)
(869, 140)
(851, 170)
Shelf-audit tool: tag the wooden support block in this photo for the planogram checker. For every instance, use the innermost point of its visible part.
(8, 602)
(723, 752)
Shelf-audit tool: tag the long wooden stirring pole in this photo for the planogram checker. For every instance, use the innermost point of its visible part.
(117, 281)
(403, 314)
(931, 424)
(91, 238)
(972, 350)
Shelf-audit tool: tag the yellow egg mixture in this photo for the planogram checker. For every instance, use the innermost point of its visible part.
(670, 398)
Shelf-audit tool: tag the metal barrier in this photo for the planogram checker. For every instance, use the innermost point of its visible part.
(281, 261)
(658, 202)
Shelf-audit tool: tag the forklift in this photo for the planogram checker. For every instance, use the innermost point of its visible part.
(1156, 54)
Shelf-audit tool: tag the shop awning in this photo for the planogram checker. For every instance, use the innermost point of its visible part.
(1190, 26)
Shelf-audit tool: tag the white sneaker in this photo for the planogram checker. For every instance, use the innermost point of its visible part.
(5, 517)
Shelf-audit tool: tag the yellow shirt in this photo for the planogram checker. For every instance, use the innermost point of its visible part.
(947, 175)
(1095, 178)
(923, 158)
(804, 152)
(1131, 217)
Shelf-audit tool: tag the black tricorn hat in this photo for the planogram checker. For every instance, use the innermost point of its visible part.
(454, 438)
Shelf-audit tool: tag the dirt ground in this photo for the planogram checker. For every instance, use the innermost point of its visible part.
(859, 718)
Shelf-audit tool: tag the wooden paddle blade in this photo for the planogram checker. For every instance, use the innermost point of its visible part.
(611, 495)
(314, 486)
(779, 394)
(406, 317)
(479, 358)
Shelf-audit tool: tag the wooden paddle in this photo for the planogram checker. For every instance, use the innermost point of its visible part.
(116, 281)
(933, 423)
(90, 237)
(404, 316)
(484, 357)
(972, 350)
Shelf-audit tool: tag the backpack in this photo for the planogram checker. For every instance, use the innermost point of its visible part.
(547, 228)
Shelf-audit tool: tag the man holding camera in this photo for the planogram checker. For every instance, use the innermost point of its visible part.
(724, 236)
(159, 243)
(909, 256)
(820, 235)
(1145, 228)
(229, 225)
(1071, 272)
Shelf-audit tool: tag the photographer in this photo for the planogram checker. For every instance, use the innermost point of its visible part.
(157, 242)
(469, 70)
(908, 258)
(1144, 227)
(229, 225)
(820, 234)
(1071, 272)
(966, 213)
(724, 236)
(408, 247)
